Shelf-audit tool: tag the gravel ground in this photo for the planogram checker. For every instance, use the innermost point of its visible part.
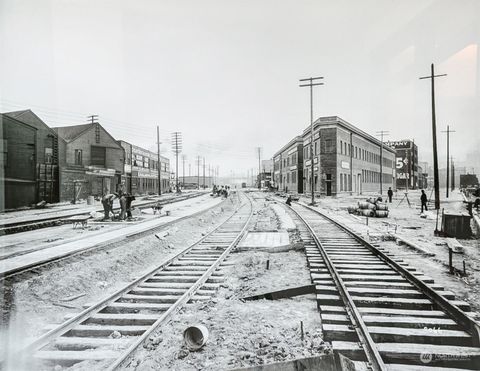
(243, 333)
(44, 296)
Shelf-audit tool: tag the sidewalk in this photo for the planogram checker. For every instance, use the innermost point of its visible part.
(46, 254)
(65, 210)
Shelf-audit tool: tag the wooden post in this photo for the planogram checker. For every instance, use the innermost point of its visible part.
(450, 260)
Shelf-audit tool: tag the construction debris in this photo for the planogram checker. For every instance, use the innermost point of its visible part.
(370, 208)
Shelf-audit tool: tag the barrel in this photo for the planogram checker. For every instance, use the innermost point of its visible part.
(380, 206)
(372, 200)
(381, 213)
(90, 200)
(351, 209)
(195, 337)
(363, 205)
(367, 212)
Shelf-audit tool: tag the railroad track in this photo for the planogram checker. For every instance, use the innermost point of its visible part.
(44, 261)
(380, 312)
(45, 221)
(108, 332)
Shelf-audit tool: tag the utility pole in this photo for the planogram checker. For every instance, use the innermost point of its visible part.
(381, 134)
(183, 168)
(198, 172)
(448, 131)
(311, 82)
(259, 150)
(159, 163)
(204, 173)
(93, 119)
(432, 77)
(177, 149)
(453, 174)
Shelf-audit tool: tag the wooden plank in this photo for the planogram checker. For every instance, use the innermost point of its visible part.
(75, 356)
(419, 335)
(286, 293)
(83, 343)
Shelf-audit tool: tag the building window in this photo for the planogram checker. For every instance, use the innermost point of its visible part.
(345, 148)
(97, 133)
(98, 156)
(294, 177)
(341, 147)
(316, 152)
(294, 159)
(356, 152)
(78, 157)
(328, 146)
(48, 155)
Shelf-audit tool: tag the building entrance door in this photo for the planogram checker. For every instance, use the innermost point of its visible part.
(329, 184)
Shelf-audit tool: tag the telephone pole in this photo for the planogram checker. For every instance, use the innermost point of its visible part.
(177, 149)
(183, 168)
(259, 150)
(204, 173)
(311, 82)
(198, 172)
(432, 77)
(92, 119)
(448, 131)
(159, 163)
(453, 173)
(381, 134)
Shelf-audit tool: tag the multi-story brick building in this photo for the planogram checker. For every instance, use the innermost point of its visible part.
(30, 157)
(350, 160)
(288, 167)
(94, 162)
(141, 170)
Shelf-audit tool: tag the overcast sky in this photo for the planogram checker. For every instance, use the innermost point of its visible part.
(225, 73)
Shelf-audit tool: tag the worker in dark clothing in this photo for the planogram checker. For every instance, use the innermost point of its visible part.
(289, 200)
(390, 194)
(423, 199)
(123, 206)
(129, 199)
(107, 202)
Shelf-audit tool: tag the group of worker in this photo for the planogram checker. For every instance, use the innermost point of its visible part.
(125, 200)
(220, 191)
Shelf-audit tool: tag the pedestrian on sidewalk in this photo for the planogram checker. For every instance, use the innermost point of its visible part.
(390, 194)
(423, 200)
(107, 202)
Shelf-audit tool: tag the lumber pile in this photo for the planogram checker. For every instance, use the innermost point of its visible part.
(371, 207)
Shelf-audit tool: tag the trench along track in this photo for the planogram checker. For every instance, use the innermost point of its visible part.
(142, 306)
(381, 312)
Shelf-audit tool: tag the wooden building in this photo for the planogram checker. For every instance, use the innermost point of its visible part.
(94, 162)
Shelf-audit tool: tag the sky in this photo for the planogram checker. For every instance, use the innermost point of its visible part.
(225, 73)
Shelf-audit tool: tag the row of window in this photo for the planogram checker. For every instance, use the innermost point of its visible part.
(290, 177)
(328, 148)
(369, 176)
(362, 154)
(293, 158)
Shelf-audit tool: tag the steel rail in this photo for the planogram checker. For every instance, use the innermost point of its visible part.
(185, 297)
(46, 338)
(370, 348)
(469, 324)
(65, 256)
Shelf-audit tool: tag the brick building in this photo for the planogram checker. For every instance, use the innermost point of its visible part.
(349, 159)
(30, 156)
(141, 170)
(94, 162)
(288, 167)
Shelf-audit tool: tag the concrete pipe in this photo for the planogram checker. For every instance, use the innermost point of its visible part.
(195, 337)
